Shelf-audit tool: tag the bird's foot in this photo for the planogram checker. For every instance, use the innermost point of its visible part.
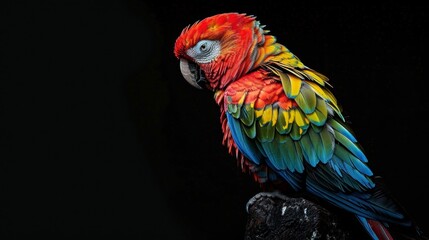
(274, 194)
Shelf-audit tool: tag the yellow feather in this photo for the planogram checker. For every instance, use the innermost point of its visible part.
(326, 95)
(318, 90)
(319, 78)
(285, 115)
(285, 57)
(319, 116)
(291, 84)
(275, 115)
(271, 50)
(295, 85)
(316, 117)
(258, 112)
(299, 118)
(269, 40)
(266, 115)
(241, 101)
(291, 115)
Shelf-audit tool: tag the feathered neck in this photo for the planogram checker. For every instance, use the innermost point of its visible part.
(263, 50)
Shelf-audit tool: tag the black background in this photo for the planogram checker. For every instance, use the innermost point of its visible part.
(102, 137)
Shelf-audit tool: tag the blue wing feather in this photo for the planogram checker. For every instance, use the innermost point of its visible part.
(373, 205)
(245, 144)
(255, 152)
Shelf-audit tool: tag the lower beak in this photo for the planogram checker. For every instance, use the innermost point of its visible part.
(193, 74)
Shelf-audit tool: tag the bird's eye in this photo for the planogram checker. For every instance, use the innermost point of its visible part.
(205, 51)
(203, 47)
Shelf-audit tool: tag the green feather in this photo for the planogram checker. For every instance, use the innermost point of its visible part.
(295, 134)
(317, 129)
(306, 99)
(247, 115)
(232, 108)
(342, 154)
(351, 160)
(264, 129)
(282, 138)
(282, 125)
(352, 147)
(237, 112)
(293, 156)
(250, 130)
(342, 129)
(323, 143)
(320, 114)
(291, 84)
(274, 153)
(308, 150)
(300, 165)
(327, 147)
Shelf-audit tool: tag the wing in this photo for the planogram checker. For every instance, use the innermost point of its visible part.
(292, 123)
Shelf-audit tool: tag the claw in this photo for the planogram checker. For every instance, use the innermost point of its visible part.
(275, 194)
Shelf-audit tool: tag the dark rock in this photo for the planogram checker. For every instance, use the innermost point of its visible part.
(276, 218)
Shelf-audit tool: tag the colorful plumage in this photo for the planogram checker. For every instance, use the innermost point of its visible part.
(281, 120)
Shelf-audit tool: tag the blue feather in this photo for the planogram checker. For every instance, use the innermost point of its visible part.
(244, 144)
(368, 228)
(362, 204)
(308, 150)
(340, 128)
(351, 146)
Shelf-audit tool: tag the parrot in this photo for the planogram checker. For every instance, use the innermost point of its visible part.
(282, 123)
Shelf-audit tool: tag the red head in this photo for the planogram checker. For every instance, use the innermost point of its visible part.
(219, 49)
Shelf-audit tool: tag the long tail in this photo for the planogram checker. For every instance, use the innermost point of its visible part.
(379, 231)
(375, 229)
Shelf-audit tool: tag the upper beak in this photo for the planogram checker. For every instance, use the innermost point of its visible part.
(193, 74)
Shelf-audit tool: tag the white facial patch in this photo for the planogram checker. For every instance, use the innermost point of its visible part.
(205, 51)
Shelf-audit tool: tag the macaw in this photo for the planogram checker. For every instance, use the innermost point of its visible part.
(281, 120)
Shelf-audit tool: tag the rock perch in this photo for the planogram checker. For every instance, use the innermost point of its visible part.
(275, 218)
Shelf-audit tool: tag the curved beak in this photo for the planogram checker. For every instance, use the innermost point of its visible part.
(193, 74)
